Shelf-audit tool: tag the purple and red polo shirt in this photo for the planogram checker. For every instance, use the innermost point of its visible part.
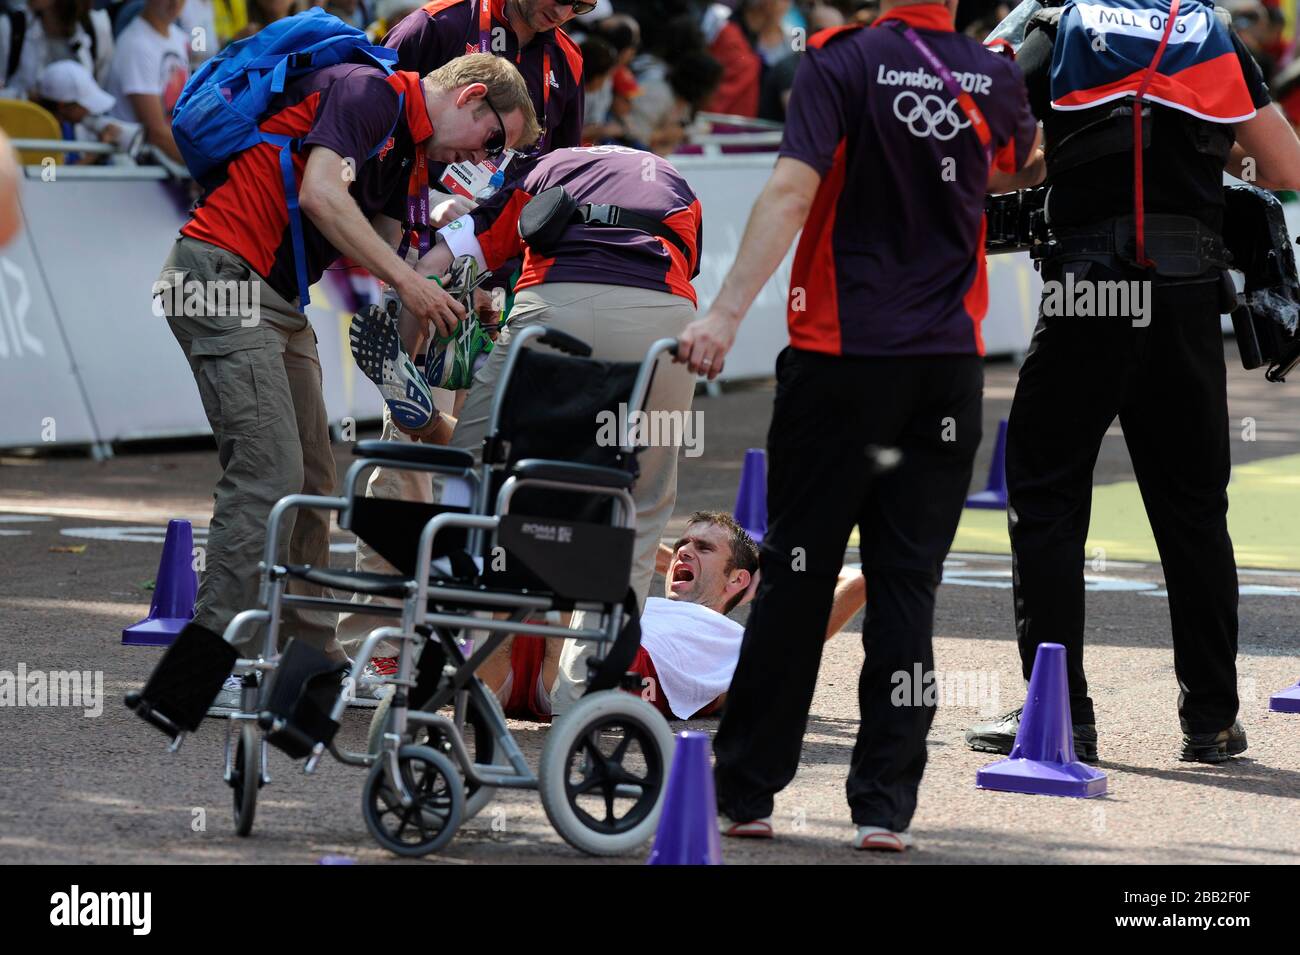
(891, 260)
(609, 255)
(349, 109)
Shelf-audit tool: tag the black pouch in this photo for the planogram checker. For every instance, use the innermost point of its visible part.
(544, 218)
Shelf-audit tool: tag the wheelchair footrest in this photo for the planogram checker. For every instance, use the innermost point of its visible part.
(185, 682)
(301, 694)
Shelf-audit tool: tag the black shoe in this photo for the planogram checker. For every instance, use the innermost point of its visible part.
(1214, 747)
(998, 736)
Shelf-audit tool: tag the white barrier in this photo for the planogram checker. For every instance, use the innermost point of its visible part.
(84, 359)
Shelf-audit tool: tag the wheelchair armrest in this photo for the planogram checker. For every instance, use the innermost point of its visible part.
(538, 469)
(414, 453)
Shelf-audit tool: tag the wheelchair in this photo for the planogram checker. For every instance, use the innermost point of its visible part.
(544, 526)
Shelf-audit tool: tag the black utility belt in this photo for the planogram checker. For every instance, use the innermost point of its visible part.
(1180, 246)
(546, 216)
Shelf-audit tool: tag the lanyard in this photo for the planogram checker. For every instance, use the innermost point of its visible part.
(964, 99)
(485, 46)
(1139, 213)
(546, 100)
(417, 208)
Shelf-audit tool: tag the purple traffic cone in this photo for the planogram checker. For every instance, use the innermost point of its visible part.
(173, 593)
(688, 825)
(1286, 701)
(994, 495)
(1042, 761)
(751, 497)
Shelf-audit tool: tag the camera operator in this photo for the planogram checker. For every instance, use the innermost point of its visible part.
(1145, 224)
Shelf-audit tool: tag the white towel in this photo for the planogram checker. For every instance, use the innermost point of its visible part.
(694, 649)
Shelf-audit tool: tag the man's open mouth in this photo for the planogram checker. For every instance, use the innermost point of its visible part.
(682, 575)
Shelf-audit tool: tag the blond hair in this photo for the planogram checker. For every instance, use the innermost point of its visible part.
(506, 91)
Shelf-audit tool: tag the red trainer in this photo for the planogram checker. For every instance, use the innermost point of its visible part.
(754, 829)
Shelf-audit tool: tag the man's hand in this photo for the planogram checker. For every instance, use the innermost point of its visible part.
(704, 343)
(437, 431)
(488, 315)
(426, 300)
(777, 215)
(449, 210)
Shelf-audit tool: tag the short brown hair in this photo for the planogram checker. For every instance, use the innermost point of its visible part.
(744, 552)
(506, 91)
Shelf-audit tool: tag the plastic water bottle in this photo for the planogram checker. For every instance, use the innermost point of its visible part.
(492, 188)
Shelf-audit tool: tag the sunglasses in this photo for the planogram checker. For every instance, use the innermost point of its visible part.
(580, 7)
(496, 141)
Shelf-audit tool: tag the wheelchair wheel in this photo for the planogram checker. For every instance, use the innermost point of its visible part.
(246, 778)
(430, 822)
(479, 740)
(603, 771)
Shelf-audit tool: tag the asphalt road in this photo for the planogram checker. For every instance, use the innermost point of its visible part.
(103, 789)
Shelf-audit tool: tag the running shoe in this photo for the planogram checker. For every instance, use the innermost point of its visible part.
(377, 350)
(453, 359)
(228, 699)
(372, 685)
(999, 736)
(1214, 747)
(882, 840)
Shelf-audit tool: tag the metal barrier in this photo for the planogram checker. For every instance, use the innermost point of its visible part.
(84, 359)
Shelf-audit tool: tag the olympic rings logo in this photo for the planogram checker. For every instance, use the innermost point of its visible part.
(929, 115)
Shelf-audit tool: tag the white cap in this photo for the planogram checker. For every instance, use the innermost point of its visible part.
(67, 81)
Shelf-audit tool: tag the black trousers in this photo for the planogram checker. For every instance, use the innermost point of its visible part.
(828, 412)
(1167, 384)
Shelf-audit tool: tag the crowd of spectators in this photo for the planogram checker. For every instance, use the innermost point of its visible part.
(650, 65)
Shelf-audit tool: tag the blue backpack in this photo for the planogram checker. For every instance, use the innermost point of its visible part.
(220, 109)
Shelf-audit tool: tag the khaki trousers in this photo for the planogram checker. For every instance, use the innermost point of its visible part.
(259, 378)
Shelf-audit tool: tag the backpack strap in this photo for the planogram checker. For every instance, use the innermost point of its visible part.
(288, 145)
(604, 214)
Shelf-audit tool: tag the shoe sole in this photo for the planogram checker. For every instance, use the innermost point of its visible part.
(740, 832)
(895, 848)
(1213, 755)
(377, 350)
